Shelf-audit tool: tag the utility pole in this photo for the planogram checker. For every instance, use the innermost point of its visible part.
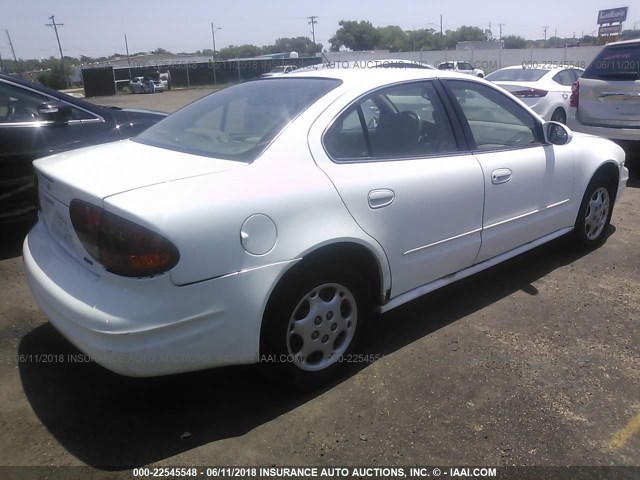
(500, 25)
(14, 53)
(126, 45)
(1, 64)
(441, 37)
(545, 32)
(213, 36)
(11, 45)
(312, 21)
(55, 28)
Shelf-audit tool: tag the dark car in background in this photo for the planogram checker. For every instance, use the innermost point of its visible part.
(36, 121)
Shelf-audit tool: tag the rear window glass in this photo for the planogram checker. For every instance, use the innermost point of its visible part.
(517, 75)
(239, 122)
(615, 63)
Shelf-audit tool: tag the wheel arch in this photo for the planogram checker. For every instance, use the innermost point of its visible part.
(376, 272)
(610, 169)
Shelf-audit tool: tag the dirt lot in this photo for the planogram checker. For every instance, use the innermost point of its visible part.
(534, 362)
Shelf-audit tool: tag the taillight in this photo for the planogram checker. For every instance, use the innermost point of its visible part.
(530, 93)
(122, 246)
(574, 100)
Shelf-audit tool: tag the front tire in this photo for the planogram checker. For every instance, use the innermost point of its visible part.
(594, 216)
(313, 322)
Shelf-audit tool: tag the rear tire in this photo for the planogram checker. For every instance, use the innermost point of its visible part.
(594, 216)
(314, 321)
(559, 115)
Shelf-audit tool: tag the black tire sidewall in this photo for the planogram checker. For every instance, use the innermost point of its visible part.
(562, 114)
(286, 297)
(580, 236)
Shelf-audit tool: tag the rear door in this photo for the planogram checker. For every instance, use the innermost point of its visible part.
(610, 88)
(395, 161)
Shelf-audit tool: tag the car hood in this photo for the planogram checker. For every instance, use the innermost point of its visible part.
(98, 172)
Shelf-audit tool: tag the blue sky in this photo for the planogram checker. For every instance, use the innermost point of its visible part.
(96, 28)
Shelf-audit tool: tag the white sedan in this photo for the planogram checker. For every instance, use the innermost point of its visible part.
(546, 90)
(268, 221)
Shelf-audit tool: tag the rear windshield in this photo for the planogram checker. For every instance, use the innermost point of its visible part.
(616, 63)
(239, 122)
(517, 75)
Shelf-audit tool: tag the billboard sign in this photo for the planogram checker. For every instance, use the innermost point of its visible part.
(612, 15)
(609, 30)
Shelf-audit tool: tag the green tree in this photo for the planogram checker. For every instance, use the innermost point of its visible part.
(302, 45)
(514, 41)
(239, 51)
(355, 35)
(629, 34)
(393, 38)
(424, 39)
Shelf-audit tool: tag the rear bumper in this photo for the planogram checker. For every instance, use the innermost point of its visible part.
(612, 133)
(148, 327)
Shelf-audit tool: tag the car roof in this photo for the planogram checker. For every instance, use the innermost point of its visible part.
(623, 42)
(372, 77)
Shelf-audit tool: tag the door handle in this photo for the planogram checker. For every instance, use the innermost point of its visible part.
(501, 175)
(381, 197)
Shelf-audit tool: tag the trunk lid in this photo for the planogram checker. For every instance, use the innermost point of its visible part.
(95, 173)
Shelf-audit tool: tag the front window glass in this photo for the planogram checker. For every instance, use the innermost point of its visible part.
(239, 122)
(495, 120)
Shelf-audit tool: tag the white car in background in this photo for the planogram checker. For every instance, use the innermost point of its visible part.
(267, 221)
(546, 90)
(461, 67)
(279, 70)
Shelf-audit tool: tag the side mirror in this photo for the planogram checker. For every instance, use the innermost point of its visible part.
(56, 112)
(557, 133)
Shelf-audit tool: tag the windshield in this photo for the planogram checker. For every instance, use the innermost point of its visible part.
(517, 75)
(616, 63)
(237, 123)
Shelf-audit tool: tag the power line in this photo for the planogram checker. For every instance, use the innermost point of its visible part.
(312, 21)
